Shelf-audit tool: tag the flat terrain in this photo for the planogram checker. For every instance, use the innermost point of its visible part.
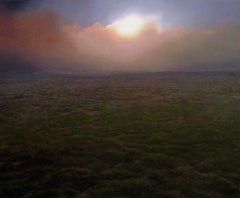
(120, 135)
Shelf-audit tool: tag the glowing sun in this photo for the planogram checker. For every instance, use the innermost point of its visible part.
(129, 26)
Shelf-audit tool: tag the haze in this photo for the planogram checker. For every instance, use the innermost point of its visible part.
(176, 35)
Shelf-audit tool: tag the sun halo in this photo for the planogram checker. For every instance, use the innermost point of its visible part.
(128, 26)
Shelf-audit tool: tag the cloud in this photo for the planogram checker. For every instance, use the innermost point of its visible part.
(198, 49)
(44, 38)
(174, 48)
(37, 36)
(15, 5)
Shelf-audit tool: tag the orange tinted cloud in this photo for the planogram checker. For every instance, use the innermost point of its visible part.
(51, 42)
(38, 35)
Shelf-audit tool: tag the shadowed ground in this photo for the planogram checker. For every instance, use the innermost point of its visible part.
(120, 135)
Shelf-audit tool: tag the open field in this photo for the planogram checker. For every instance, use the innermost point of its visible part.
(120, 135)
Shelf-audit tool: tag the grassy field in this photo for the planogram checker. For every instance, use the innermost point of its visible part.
(120, 135)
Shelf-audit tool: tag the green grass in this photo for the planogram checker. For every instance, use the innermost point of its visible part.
(121, 135)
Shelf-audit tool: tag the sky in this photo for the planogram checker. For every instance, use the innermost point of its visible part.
(79, 34)
(170, 12)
